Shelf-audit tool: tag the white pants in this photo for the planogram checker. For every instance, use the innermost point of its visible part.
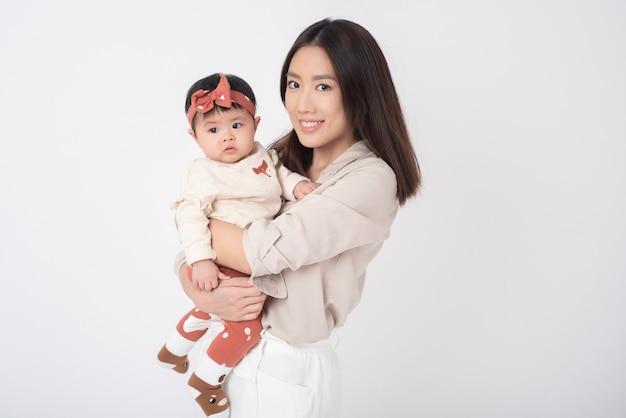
(280, 380)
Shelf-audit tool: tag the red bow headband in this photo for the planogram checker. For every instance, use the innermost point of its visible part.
(203, 101)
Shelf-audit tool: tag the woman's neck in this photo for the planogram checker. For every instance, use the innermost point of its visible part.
(323, 156)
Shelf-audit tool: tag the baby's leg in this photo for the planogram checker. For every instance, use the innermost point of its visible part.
(189, 330)
(225, 351)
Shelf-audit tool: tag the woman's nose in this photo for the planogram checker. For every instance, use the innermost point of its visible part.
(305, 101)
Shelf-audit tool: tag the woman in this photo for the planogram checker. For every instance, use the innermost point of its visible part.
(350, 136)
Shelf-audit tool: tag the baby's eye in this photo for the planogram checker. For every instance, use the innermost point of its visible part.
(237, 125)
(293, 84)
(213, 130)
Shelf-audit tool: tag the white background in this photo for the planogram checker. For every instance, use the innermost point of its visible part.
(500, 292)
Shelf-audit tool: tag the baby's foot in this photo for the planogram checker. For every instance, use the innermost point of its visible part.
(177, 363)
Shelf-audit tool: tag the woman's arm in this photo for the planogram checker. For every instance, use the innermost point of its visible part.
(227, 241)
(234, 299)
(340, 217)
(351, 210)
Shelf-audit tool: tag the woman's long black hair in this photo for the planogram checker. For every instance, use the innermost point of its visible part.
(370, 101)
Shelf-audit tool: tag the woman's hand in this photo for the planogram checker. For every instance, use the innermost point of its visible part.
(235, 299)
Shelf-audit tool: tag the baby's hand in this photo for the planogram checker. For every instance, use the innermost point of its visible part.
(304, 188)
(206, 275)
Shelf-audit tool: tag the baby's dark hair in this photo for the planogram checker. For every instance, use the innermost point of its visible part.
(211, 82)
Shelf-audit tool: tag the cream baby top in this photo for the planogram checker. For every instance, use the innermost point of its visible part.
(238, 193)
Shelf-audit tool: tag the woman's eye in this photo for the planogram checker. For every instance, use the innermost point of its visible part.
(323, 87)
(293, 84)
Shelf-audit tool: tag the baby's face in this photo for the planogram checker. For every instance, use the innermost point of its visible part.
(226, 136)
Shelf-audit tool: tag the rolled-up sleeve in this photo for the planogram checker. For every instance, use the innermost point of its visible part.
(363, 202)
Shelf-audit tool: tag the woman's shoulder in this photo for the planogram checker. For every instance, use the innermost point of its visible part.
(360, 158)
(358, 176)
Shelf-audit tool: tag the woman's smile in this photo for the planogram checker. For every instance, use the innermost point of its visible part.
(310, 125)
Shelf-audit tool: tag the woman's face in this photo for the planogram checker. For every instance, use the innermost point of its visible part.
(314, 103)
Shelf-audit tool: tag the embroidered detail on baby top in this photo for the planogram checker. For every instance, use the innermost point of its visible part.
(262, 169)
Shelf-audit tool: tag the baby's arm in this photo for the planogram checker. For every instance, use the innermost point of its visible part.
(193, 207)
(303, 188)
(206, 274)
(294, 185)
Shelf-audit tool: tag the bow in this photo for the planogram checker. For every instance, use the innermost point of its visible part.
(203, 101)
